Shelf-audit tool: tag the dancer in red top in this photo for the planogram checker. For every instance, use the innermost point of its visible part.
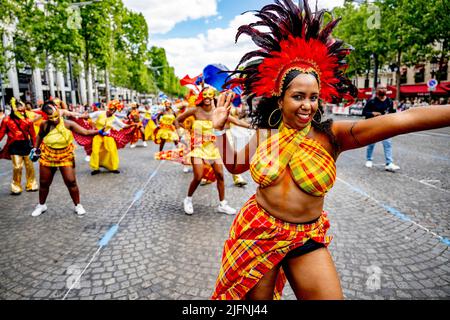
(21, 138)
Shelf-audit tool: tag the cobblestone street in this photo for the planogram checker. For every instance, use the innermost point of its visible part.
(391, 230)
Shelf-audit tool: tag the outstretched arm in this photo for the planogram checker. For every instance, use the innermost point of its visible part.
(67, 113)
(75, 127)
(351, 135)
(239, 122)
(185, 115)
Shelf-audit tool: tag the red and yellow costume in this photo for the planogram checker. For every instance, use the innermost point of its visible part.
(134, 118)
(104, 149)
(258, 242)
(166, 130)
(57, 148)
(199, 141)
(296, 40)
(20, 132)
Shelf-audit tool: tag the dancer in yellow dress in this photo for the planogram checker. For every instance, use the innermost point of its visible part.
(204, 149)
(167, 131)
(55, 150)
(104, 149)
(149, 125)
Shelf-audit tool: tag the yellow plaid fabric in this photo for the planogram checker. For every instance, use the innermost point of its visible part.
(257, 243)
(57, 157)
(312, 167)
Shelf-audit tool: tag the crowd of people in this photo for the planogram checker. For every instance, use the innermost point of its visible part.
(48, 132)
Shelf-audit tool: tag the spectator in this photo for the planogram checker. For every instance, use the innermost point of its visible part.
(375, 107)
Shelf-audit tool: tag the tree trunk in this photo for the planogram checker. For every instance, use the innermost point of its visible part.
(108, 97)
(88, 75)
(397, 75)
(375, 73)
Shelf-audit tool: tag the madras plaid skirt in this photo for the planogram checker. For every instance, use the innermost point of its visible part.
(258, 242)
(57, 157)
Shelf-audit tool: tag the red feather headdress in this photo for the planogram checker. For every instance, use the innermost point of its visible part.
(296, 41)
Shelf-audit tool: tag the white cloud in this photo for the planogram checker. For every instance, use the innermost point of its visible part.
(191, 55)
(163, 15)
(327, 4)
(216, 45)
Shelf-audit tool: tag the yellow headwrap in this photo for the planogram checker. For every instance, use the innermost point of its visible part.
(14, 108)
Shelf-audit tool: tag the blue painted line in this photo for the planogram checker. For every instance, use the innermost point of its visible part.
(108, 235)
(361, 192)
(152, 174)
(396, 213)
(445, 241)
(138, 195)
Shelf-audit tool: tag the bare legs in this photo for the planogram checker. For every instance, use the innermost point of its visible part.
(46, 175)
(198, 166)
(312, 276)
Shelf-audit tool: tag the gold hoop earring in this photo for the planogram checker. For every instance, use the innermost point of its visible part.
(321, 114)
(270, 117)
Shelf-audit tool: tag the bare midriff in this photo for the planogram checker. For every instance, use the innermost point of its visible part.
(284, 200)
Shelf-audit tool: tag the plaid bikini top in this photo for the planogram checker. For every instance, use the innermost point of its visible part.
(312, 167)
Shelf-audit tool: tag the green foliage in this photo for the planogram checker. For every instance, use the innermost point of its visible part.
(110, 37)
(408, 28)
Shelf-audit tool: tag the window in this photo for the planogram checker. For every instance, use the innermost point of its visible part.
(44, 79)
(403, 75)
(443, 70)
(419, 73)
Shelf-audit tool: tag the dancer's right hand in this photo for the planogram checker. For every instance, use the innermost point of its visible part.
(222, 110)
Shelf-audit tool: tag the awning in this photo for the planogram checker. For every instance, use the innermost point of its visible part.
(366, 93)
(422, 89)
(445, 85)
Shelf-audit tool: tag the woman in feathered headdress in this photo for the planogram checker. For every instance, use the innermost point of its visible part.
(281, 232)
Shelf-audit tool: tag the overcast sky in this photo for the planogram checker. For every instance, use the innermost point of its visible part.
(196, 33)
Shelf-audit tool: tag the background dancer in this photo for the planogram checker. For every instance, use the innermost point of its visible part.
(19, 129)
(55, 150)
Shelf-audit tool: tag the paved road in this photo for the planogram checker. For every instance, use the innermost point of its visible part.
(390, 230)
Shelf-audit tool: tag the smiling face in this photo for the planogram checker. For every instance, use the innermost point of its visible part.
(300, 101)
(208, 95)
